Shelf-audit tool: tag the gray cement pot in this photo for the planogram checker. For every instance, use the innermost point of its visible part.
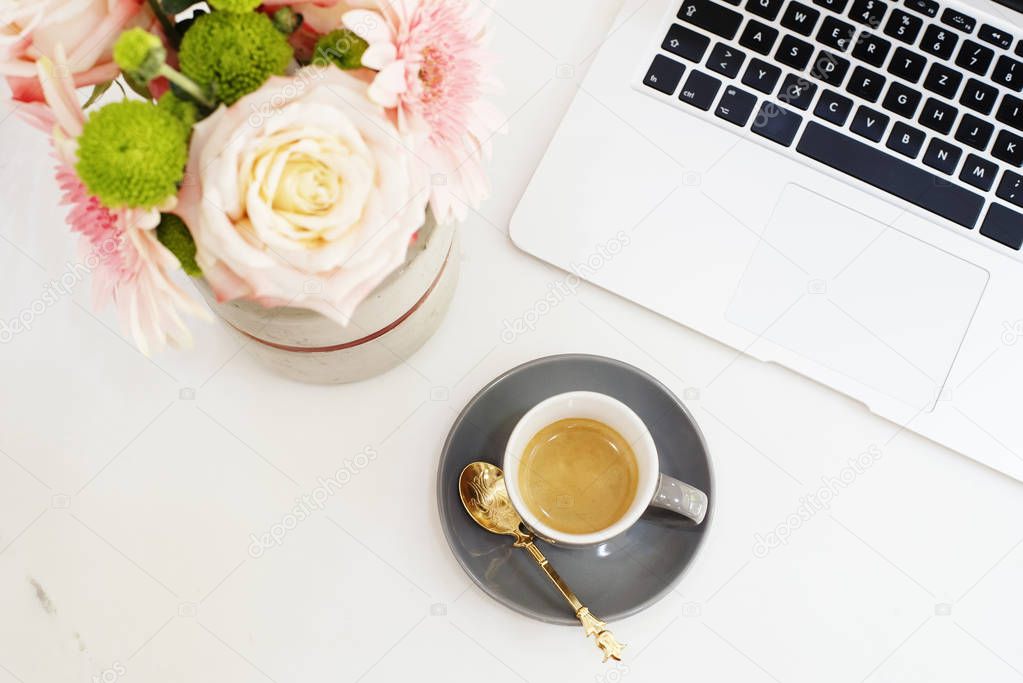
(388, 326)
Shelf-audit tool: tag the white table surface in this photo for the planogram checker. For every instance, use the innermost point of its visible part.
(129, 487)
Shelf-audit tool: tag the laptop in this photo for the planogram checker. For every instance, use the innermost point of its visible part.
(831, 185)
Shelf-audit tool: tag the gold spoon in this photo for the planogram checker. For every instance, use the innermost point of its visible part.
(481, 487)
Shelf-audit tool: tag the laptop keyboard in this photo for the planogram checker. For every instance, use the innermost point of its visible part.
(918, 99)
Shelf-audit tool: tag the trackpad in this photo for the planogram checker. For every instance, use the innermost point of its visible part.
(858, 297)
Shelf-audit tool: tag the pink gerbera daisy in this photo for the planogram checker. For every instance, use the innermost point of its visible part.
(432, 67)
(130, 266)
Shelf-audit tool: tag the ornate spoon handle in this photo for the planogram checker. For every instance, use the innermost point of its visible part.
(591, 624)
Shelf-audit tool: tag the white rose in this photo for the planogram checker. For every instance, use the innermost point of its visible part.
(302, 193)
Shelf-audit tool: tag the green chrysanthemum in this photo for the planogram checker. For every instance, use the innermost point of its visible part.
(173, 234)
(184, 111)
(233, 54)
(237, 6)
(139, 53)
(342, 48)
(132, 154)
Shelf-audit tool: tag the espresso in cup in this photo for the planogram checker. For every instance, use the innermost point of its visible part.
(581, 467)
(578, 475)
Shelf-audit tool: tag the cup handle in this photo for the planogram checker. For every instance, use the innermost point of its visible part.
(680, 497)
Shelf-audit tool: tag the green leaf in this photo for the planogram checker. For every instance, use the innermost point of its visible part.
(97, 92)
(138, 86)
(173, 234)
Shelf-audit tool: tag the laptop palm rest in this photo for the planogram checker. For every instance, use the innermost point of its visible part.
(857, 297)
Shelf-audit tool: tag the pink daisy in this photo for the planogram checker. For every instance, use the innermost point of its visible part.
(432, 67)
(130, 266)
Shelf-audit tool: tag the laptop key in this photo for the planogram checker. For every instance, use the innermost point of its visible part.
(957, 19)
(871, 49)
(907, 65)
(1010, 188)
(1009, 73)
(995, 36)
(864, 161)
(979, 96)
(903, 26)
(725, 60)
(758, 37)
(1010, 112)
(906, 139)
(699, 90)
(761, 76)
(711, 17)
(901, 99)
(942, 156)
(869, 12)
(794, 53)
(978, 172)
(835, 33)
(865, 83)
(664, 74)
(768, 9)
(1004, 226)
(800, 18)
(943, 80)
(685, 43)
(735, 106)
(938, 116)
(869, 123)
(975, 57)
(833, 107)
(836, 6)
(939, 41)
(797, 92)
(974, 132)
(829, 68)
(776, 123)
(928, 7)
(1008, 147)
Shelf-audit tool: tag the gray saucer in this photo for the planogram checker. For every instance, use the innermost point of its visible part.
(616, 579)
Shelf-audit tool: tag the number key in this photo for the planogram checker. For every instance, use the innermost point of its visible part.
(939, 42)
(903, 26)
(975, 57)
(869, 12)
(1008, 72)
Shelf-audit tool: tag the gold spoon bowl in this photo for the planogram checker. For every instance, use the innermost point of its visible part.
(485, 497)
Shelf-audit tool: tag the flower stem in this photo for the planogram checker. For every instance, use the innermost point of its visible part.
(188, 86)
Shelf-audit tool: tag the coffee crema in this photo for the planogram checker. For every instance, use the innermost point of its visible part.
(578, 476)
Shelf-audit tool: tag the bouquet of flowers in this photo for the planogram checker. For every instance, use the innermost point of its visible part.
(260, 145)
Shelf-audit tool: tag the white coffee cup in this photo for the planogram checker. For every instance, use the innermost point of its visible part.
(653, 488)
